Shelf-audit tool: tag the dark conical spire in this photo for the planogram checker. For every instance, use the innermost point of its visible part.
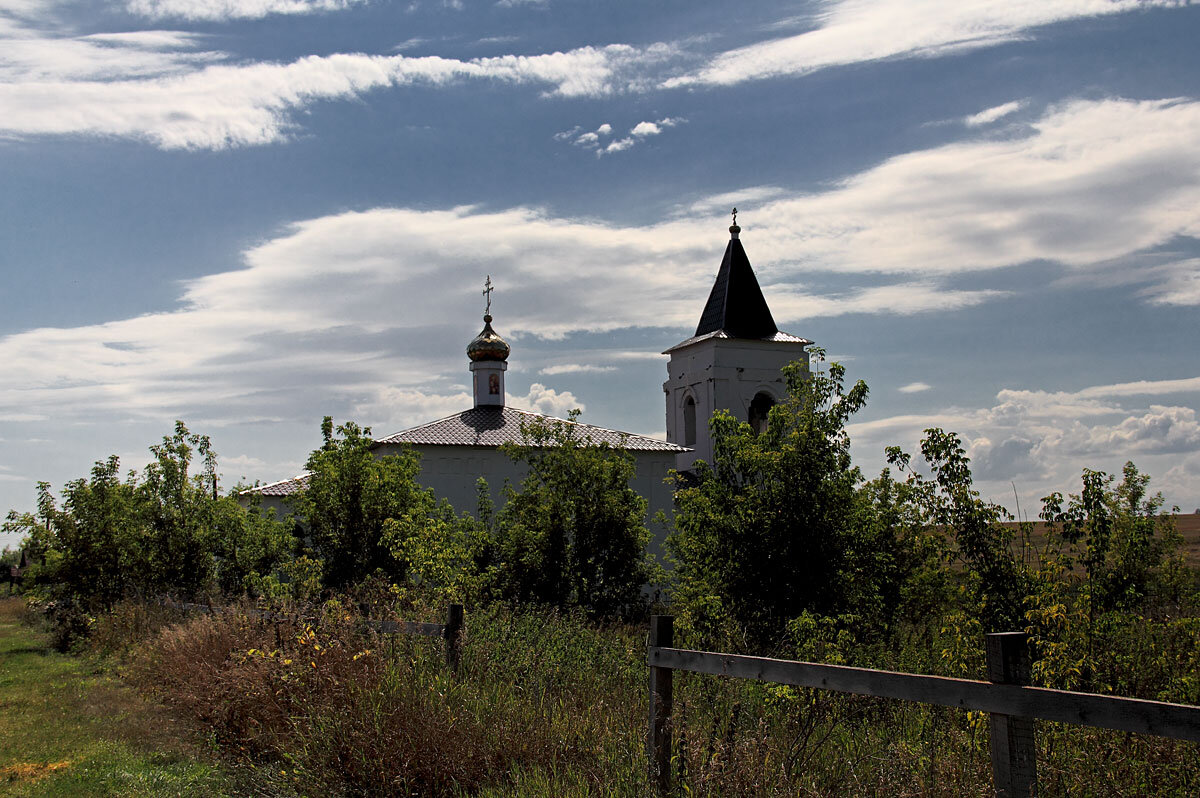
(736, 304)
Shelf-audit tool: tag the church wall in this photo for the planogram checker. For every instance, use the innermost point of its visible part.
(722, 374)
(452, 471)
(266, 504)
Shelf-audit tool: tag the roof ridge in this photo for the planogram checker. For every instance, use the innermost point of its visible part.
(435, 421)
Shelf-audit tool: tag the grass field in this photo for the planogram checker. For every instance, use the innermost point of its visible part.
(1188, 525)
(68, 731)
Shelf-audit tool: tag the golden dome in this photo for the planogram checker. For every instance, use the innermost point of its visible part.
(488, 345)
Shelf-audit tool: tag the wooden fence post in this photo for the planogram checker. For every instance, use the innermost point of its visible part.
(1014, 749)
(658, 735)
(454, 630)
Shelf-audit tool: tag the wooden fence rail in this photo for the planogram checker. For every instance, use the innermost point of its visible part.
(1011, 703)
(451, 631)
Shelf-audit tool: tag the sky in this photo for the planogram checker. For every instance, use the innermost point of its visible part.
(250, 214)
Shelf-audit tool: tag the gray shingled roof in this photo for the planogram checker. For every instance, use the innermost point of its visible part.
(284, 487)
(493, 426)
(482, 426)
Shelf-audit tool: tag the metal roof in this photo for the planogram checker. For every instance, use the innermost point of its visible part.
(779, 337)
(284, 487)
(493, 426)
(736, 304)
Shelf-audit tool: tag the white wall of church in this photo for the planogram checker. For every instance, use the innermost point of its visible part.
(452, 473)
(722, 374)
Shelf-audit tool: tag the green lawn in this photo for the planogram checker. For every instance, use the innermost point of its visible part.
(67, 730)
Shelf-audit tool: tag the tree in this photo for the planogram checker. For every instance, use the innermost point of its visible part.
(996, 580)
(248, 546)
(776, 525)
(176, 513)
(163, 532)
(94, 536)
(575, 534)
(350, 497)
(1110, 555)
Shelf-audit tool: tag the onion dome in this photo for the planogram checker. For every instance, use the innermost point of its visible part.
(488, 345)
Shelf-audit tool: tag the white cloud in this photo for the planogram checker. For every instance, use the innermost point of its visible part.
(638, 132)
(588, 140)
(18, 417)
(616, 146)
(854, 31)
(903, 299)
(576, 368)
(547, 401)
(242, 461)
(1092, 182)
(1141, 388)
(154, 86)
(914, 387)
(722, 203)
(220, 10)
(642, 129)
(1041, 439)
(410, 43)
(31, 58)
(989, 115)
(1179, 284)
(252, 342)
(391, 409)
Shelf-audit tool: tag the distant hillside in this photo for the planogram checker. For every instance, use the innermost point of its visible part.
(1188, 525)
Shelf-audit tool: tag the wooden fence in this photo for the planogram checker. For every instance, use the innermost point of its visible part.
(1012, 705)
(451, 631)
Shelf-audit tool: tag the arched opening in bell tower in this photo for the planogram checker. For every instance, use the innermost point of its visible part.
(760, 408)
(689, 422)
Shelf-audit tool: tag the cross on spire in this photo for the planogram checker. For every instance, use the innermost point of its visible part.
(735, 216)
(487, 292)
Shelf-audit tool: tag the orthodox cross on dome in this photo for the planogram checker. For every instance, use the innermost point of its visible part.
(735, 216)
(487, 292)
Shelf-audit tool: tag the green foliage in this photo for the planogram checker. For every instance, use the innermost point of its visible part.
(351, 497)
(1111, 558)
(575, 534)
(777, 525)
(165, 531)
(93, 541)
(438, 553)
(949, 504)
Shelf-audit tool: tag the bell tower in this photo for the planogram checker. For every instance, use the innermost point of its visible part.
(734, 361)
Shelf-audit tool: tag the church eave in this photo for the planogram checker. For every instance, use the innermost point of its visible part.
(777, 338)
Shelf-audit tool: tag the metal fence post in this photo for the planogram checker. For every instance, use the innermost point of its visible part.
(454, 630)
(1014, 748)
(658, 736)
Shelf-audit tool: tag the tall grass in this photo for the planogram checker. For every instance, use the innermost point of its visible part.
(547, 704)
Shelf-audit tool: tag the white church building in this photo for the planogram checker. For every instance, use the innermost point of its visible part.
(733, 362)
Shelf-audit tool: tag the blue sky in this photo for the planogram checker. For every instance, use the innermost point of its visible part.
(248, 214)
